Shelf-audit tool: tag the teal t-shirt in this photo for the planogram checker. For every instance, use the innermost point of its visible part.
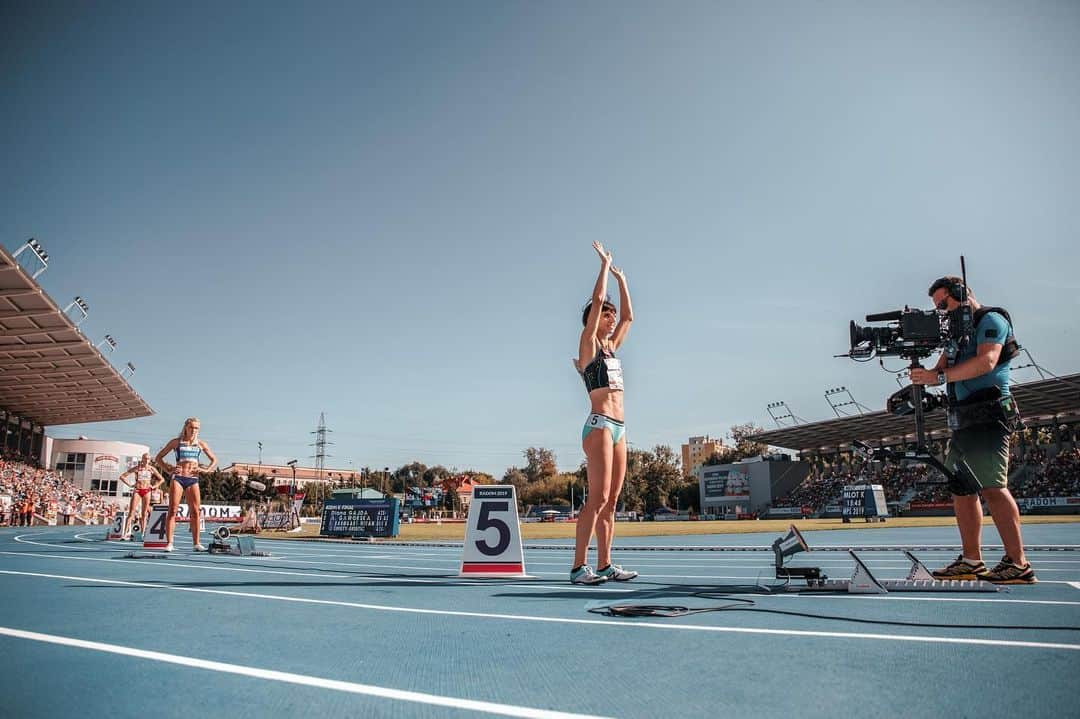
(992, 328)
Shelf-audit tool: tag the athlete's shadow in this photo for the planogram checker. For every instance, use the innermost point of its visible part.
(643, 590)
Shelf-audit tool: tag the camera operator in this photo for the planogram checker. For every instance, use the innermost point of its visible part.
(982, 416)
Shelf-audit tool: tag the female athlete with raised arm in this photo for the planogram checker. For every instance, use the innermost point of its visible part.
(604, 435)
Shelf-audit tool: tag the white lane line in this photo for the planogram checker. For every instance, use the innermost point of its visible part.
(370, 690)
(463, 583)
(640, 558)
(181, 564)
(903, 597)
(450, 560)
(568, 620)
(764, 571)
(361, 565)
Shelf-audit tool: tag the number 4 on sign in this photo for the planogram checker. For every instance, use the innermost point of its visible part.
(493, 535)
(155, 534)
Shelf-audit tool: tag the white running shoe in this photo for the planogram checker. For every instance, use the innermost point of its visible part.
(168, 548)
(585, 575)
(198, 548)
(614, 571)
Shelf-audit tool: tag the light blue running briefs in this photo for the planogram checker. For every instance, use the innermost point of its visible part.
(599, 421)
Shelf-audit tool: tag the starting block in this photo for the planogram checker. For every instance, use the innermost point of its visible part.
(863, 581)
(224, 543)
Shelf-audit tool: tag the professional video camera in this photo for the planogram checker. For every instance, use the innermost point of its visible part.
(913, 335)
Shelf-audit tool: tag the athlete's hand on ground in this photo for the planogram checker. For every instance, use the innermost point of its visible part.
(605, 256)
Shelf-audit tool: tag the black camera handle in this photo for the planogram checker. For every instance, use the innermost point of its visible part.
(962, 482)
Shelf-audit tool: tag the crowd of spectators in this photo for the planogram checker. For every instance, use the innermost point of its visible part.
(1056, 476)
(27, 490)
(1049, 473)
(826, 482)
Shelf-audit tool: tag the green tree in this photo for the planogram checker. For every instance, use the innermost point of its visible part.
(550, 490)
(685, 495)
(742, 445)
(516, 477)
(410, 475)
(539, 463)
(480, 477)
(434, 475)
(661, 473)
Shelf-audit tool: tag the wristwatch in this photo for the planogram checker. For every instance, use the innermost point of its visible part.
(941, 379)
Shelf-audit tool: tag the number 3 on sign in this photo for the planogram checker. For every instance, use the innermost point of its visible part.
(116, 529)
(493, 536)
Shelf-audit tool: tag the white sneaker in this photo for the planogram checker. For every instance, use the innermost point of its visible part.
(614, 571)
(199, 548)
(585, 575)
(168, 548)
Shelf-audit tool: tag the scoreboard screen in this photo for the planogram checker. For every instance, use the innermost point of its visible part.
(360, 518)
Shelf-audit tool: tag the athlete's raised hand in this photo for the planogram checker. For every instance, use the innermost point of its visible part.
(605, 256)
(619, 274)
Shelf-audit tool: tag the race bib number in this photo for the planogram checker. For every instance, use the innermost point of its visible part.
(614, 372)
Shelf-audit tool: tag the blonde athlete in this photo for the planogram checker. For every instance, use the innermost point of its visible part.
(185, 477)
(604, 435)
(144, 474)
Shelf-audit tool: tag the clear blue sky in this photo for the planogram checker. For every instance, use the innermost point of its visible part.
(383, 211)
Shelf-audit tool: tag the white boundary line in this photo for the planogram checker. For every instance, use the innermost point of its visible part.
(302, 679)
(194, 564)
(459, 583)
(452, 561)
(671, 627)
(700, 561)
(180, 564)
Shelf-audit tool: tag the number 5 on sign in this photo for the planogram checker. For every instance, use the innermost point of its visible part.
(155, 536)
(493, 535)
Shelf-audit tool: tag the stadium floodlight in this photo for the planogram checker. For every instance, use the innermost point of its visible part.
(107, 341)
(292, 487)
(80, 304)
(129, 368)
(37, 251)
(836, 404)
(780, 411)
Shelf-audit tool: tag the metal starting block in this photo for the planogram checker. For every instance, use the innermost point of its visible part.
(863, 581)
(224, 543)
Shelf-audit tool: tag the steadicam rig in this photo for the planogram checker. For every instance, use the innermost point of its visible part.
(915, 334)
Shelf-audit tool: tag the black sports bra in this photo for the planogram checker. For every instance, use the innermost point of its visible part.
(605, 370)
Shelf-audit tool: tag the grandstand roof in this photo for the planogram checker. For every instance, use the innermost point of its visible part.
(1041, 401)
(49, 372)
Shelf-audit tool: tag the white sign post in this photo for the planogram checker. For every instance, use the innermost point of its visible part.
(493, 534)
